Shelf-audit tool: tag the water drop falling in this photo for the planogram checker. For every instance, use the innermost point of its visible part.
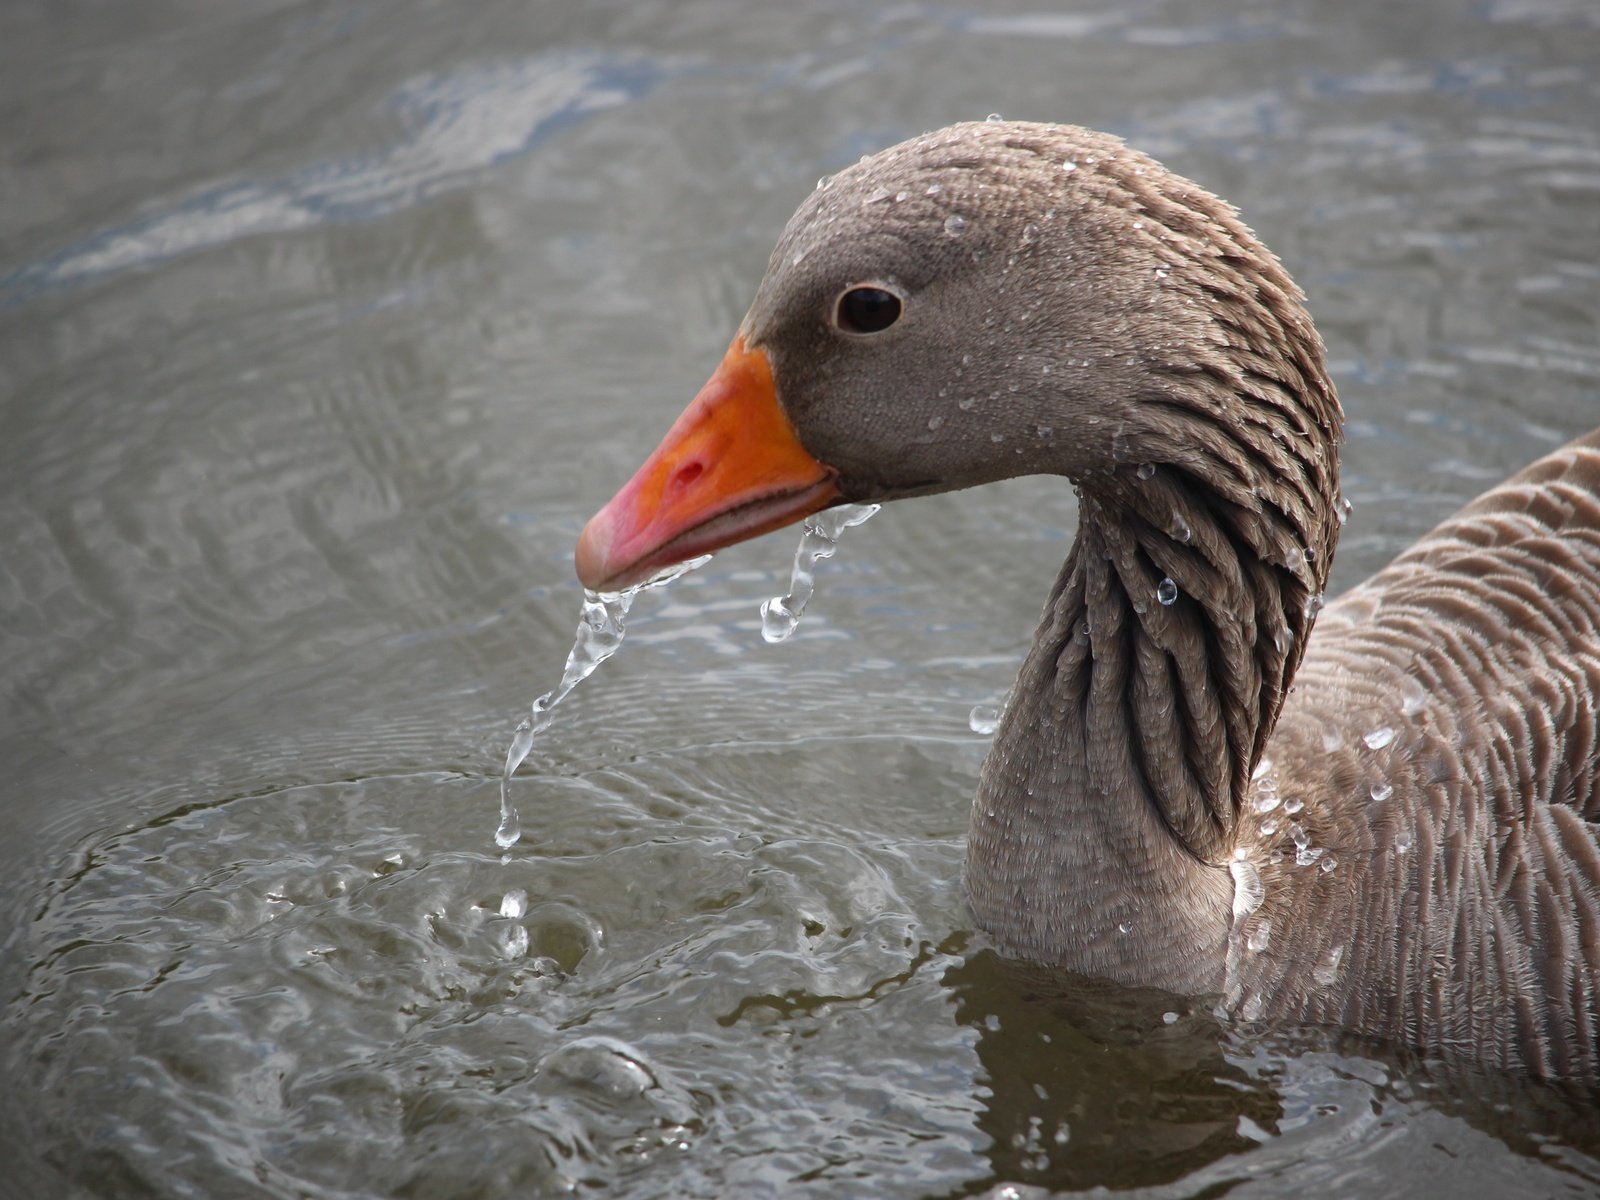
(1166, 592)
(781, 614)
(601, 627)
(514, 904)
(984, 719)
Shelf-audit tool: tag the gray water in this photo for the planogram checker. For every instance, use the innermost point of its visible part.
(323, 328)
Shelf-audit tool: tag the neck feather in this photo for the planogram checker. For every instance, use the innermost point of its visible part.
(1109, 806)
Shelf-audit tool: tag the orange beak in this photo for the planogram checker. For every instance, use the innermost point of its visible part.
(730, 468)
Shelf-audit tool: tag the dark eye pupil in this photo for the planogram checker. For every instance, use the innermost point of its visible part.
(868, 310)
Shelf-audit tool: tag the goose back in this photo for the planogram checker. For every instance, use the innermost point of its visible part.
(1426, 823)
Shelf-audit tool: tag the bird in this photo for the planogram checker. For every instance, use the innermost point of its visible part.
(1378, 812)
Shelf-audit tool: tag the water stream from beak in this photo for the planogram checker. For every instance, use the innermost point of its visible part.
(601, 627)
(781, 614)
(603, 624)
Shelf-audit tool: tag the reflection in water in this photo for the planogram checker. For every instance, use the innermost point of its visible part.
(1093, 1084)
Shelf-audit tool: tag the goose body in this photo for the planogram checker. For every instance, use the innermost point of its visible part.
(1382, 813)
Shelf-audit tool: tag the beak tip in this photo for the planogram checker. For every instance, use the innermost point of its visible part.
(594, 546)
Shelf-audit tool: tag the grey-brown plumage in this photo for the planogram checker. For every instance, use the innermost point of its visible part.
(1406, 842)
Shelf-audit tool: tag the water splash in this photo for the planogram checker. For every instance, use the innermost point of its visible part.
(601, 628)
(781, 614)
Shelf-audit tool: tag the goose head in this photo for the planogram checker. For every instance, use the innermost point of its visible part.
(990, 300)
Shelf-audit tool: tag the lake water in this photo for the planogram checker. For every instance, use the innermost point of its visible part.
(323, 328)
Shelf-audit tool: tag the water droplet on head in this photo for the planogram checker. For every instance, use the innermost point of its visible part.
(1166, 592)
(997, 436)
(1402, 843)
(1169, 1018)
(1306, 855)
(1261, 936)
(1314, 605)
(934, 422)
(1125, 927)
(994, 118)
(1069, 165)
(1329, 863)
(1030, 233)
(1381, 790)
(1146, 471)
(955, 225)
(1293, 804)
(1180, 528)
(1378, 738)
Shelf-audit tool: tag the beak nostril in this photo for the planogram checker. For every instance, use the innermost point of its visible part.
(686, 474)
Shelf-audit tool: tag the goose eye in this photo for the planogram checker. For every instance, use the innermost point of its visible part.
(868, 310)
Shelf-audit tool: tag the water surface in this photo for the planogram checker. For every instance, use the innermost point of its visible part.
(323, 329)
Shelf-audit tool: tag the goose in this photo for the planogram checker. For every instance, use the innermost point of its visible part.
(1381, 813)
